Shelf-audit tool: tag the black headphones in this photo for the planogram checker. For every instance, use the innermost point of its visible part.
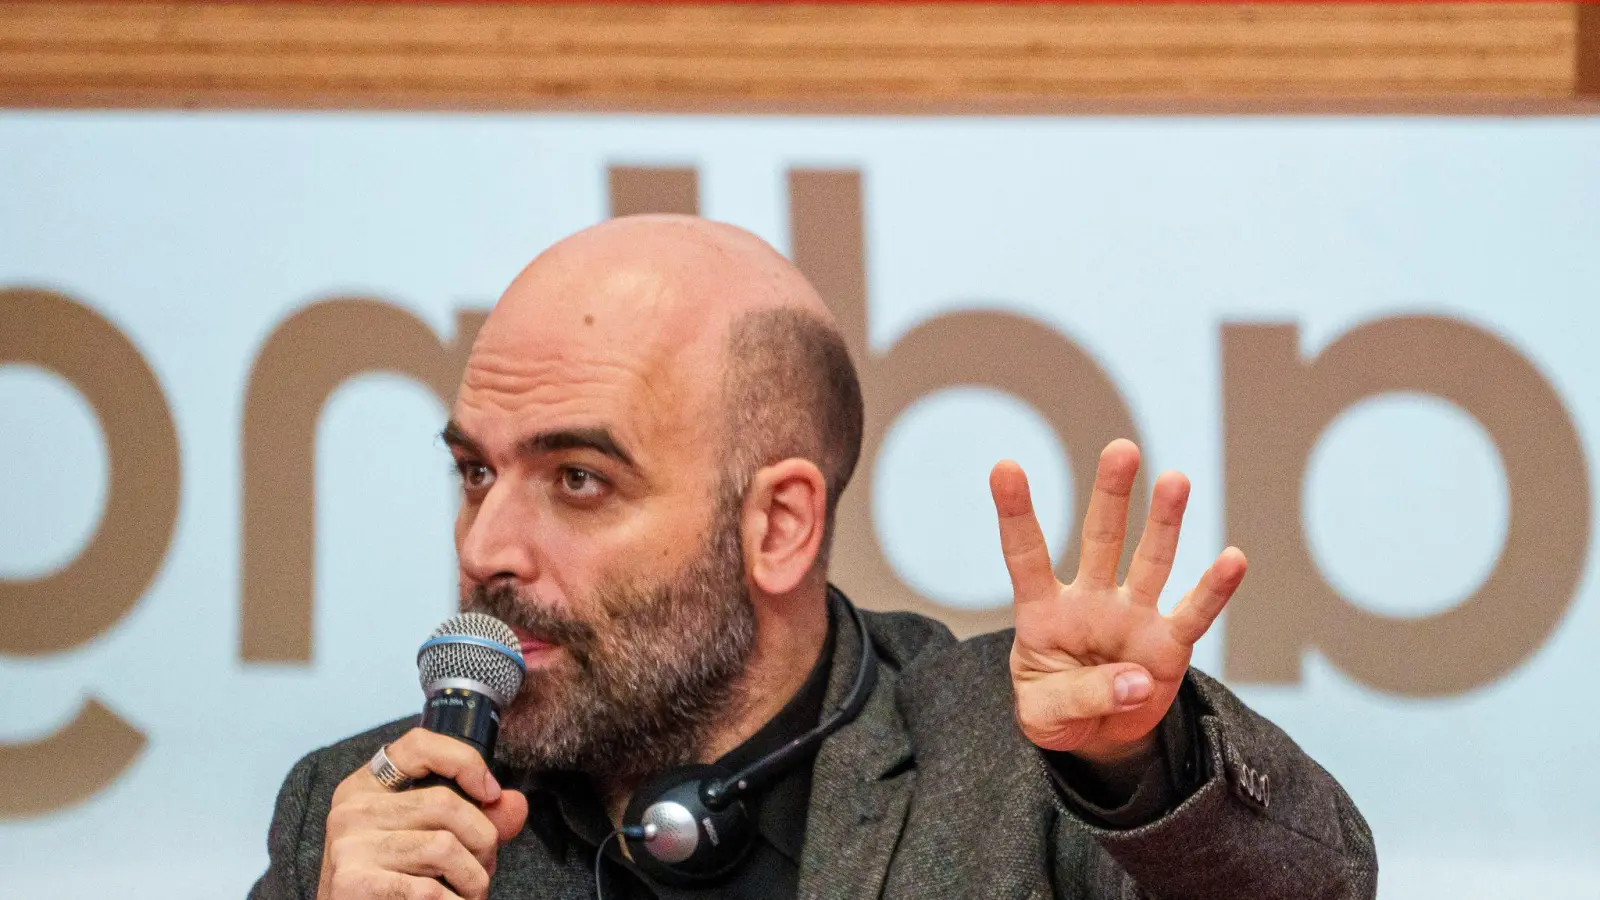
(689, 825)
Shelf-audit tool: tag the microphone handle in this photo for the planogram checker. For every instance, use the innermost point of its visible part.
(467, 716)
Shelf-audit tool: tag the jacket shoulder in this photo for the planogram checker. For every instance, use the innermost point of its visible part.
(979, 662)
(900, 638)
(957, 703)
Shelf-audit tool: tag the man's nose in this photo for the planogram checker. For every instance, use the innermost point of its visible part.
(497, 540)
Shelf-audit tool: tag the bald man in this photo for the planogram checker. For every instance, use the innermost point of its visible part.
(652, 433)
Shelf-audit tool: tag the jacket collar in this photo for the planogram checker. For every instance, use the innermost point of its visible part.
(861, 782)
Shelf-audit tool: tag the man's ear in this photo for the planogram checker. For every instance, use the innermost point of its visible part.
(785, 511)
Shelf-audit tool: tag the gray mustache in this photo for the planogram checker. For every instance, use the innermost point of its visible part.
(502, 602)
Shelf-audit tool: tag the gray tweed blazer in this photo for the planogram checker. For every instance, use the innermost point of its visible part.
(934, 792)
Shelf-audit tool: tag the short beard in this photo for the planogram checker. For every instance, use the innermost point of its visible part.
(640, 691)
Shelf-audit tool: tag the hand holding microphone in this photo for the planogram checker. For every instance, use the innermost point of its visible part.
(428, 808)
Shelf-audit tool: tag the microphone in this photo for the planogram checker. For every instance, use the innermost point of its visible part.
(471, 669)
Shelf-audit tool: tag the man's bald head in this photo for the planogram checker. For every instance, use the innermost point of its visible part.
(685, 271)
(723, 326)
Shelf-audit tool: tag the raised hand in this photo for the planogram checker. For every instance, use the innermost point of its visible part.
(1096, 665)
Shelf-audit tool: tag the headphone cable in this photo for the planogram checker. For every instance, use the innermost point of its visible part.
(600, 857)
(637, 832)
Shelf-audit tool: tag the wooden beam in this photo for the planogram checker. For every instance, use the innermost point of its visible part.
(542, 56)
(1587, 53)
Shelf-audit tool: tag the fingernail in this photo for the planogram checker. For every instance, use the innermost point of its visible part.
(1131, 688)
(491, 787)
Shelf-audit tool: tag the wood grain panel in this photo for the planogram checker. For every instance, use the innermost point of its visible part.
(1588, 50)
(620, 56)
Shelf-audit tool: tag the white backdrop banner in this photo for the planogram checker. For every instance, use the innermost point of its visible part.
(227, 342)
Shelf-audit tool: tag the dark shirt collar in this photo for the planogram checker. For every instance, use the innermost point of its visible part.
(780, 811)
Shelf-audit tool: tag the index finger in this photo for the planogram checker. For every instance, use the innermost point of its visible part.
(420, 752)
(1021, 539)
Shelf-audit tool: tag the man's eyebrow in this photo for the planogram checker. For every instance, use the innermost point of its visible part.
(455, 438)
(596, 439)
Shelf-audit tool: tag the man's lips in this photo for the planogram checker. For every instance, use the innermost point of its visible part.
(531, 644)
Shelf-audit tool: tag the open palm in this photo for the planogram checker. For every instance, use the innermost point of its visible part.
(1095, 665)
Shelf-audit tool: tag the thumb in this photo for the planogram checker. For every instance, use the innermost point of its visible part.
(1074, 695)
(508, 813)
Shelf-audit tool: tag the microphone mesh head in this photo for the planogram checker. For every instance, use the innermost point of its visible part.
(455, 651)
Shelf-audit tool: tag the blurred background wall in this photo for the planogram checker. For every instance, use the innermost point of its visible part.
(1336, 262)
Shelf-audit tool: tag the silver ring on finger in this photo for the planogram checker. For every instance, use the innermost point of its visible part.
(386, 773)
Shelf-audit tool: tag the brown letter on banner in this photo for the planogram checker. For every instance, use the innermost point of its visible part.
(304, 360)
(1019, 356)
(91, 594)
(63, 609)
(1276, 407)
(80, 760)
(635, 191)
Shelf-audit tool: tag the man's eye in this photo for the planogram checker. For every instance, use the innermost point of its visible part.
(581, 482)
(475, 476)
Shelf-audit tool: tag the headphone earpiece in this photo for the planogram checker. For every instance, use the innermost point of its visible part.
(676, 837)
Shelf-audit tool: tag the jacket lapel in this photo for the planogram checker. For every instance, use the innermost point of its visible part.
(861, 785)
